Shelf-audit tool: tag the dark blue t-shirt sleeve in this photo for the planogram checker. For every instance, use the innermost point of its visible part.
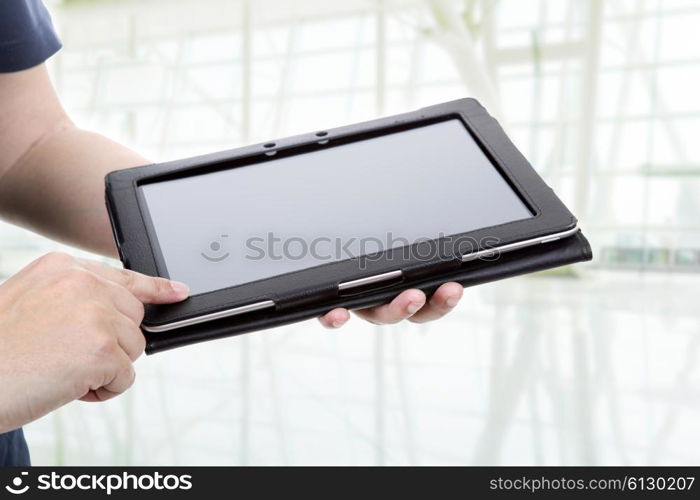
(13, 447)
(27, 37)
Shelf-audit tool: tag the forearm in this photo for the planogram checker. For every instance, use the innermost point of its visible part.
(52, 173)
(57, 188)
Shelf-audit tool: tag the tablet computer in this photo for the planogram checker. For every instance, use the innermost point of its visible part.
(290, 228)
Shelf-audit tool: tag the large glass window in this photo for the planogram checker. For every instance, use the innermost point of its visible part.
(601, 96)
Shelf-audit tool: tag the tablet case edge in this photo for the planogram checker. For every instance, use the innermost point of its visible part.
(536, 258)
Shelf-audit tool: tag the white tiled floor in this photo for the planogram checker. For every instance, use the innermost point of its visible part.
(601, 369)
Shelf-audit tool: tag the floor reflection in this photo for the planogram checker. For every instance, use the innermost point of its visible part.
(600, 369)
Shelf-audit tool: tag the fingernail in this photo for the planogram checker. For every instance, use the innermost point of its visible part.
(180, 288)
(336, 324)
(413, 307)
(451, 301)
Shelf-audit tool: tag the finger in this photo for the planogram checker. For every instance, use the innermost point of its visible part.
(147, 289)
(123, 378)
(129, 337)
(124, 301)
(335, 318)
(99, 395)
(402, 307)
(443, 301)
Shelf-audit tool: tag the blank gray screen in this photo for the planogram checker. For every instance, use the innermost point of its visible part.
(235, 226)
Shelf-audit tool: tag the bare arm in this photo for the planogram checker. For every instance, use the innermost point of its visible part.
(51, 172)
(51, 181)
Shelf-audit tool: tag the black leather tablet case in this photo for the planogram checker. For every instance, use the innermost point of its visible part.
(309, 293)
(536, 258)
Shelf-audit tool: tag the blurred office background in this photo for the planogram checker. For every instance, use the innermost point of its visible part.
(594, 365)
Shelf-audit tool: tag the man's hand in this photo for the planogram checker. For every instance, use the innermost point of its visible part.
(409, 304)
(69, 329)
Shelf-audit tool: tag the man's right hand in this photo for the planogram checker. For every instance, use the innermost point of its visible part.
(69, 329)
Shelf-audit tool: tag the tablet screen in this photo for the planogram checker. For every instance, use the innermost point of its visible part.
(231, 227)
